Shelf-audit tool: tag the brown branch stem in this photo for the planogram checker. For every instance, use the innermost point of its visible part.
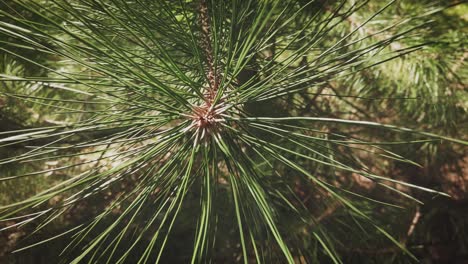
(212, 76)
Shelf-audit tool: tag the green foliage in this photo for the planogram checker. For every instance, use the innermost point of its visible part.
(236, 126)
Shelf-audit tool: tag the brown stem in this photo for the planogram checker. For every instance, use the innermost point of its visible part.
(392, 249)
(329, 211)
(212, 77)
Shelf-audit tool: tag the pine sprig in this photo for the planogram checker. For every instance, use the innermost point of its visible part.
(158, 97)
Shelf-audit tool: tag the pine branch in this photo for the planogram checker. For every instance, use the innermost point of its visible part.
(211, 74)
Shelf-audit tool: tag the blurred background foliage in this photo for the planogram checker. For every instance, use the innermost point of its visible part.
(424, 90)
